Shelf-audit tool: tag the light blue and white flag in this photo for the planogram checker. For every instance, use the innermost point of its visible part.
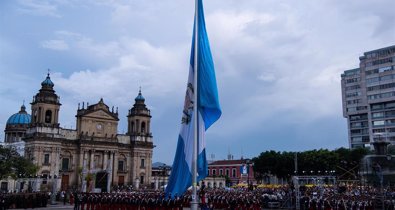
(208, 112)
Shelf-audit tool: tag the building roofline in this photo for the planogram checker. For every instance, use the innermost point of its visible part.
(350, 71)
(377, 50)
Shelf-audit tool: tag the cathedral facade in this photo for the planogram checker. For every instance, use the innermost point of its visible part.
(92, 157)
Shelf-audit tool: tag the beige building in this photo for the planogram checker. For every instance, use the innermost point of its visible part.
(93, 157)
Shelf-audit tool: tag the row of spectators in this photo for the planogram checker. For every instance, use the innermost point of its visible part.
(313, 198)
(23, 200)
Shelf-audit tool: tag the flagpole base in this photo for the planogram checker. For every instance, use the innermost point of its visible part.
(194, 205)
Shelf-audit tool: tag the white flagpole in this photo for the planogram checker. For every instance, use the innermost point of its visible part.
(195, 201)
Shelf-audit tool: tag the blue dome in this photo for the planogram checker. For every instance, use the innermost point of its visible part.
(22, 117)
(139, 97)
(47, 82)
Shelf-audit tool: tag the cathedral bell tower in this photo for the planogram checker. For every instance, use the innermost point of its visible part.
(139, 119)
(45, 106)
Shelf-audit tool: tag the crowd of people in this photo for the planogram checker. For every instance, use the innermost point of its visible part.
(348, 197)
(312, 198)
(157, 200)
(23, 200)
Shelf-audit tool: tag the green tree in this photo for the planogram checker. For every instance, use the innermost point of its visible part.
(316, 161)
(12, 164)
(312, 162)
(349, 162)
(272, 162)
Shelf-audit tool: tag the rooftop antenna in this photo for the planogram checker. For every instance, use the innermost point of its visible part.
(212, 157)
(229, 155)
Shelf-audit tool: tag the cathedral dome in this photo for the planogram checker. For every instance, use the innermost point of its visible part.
(22, 117)
(139, 97)
(47, 82)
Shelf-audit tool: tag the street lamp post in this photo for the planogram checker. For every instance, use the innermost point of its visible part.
(248, 175)
(164, 175)
(248, 162)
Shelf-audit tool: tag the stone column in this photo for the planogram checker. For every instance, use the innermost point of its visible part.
(57, 161)
(91, 165)
(56, 119)
(105, 160)
(17, 186)
(109, 171)
(38, 159)
(79, 163)
(137, 183)
(128, 169)
(156, 181)
(148, 171)
(52, 161)
(84, 171)
(136, 167)
(137, 126)
(39, 114)
(115, 167)
(39, 181)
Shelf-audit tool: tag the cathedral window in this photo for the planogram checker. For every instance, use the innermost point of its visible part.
(39, 115)
(97, 161)
(35, 116)
(65, 164)
(48, 116)
(142, 165)
(143, 127)
(141, 179)
(121, 165)
(46, 159)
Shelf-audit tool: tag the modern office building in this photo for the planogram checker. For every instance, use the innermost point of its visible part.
(368, 96)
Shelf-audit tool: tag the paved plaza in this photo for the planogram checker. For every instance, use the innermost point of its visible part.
(58, 206)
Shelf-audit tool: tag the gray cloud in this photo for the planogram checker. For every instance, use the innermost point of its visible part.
(55, 45)
(39, 8)
(278, 64)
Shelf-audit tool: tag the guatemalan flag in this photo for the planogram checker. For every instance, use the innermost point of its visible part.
(208, 112)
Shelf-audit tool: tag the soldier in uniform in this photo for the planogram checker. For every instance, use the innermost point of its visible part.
(103, 201)
(76, 201)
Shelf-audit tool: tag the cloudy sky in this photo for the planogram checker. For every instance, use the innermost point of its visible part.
(278, 64)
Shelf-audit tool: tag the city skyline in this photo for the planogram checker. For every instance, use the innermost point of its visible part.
(278, 64)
